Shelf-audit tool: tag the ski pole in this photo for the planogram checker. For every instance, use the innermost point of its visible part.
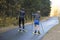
(42, 27)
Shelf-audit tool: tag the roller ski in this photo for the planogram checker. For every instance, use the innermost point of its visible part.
(37, 33)
(22, 30)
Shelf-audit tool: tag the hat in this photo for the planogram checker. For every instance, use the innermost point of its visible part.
(38, 11)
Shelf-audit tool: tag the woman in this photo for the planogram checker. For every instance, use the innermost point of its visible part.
(36, 22)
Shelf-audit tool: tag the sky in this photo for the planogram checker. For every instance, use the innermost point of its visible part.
(55, 4)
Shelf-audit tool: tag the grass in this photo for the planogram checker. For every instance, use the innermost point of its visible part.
(8, 21)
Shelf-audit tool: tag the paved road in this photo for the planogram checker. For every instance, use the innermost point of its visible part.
(54, 33)
(15, 35)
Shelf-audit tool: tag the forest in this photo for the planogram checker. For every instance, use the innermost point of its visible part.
(9, 10)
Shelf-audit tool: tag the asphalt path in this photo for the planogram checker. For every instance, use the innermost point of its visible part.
(45, 26)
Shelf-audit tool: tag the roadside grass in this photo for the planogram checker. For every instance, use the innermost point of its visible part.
(11, 23)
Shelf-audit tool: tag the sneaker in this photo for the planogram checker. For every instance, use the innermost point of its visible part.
(24, 30)
(35, 32)
(38, 32)
(20, 30)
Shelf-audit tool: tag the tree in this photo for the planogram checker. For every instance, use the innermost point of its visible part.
(45, 7)
(10, 8)
(42, 5)
(34, 5)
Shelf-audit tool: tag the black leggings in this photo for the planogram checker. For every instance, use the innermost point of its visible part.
(21, 20)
